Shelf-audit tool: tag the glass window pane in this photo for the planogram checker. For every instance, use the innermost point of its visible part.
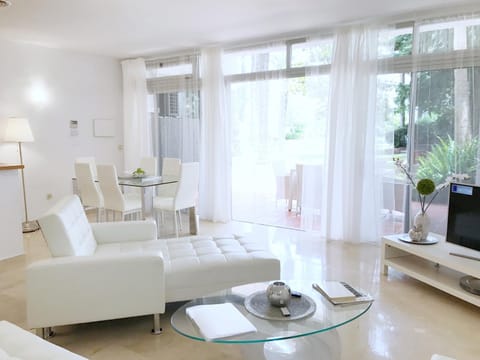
(275, 125)
(393, 92)
(317, 52)
(255, 60)
(397, 42)
(393, 104)
(446, 132)
(449, 35)
(435, 41)
(473, 37)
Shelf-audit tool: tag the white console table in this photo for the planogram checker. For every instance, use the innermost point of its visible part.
(432, 264)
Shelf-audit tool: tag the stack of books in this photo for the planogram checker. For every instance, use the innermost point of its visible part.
(340, 293)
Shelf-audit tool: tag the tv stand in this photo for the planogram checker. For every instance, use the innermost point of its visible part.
(433, 264)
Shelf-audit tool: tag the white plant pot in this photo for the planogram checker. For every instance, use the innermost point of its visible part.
(421, 227)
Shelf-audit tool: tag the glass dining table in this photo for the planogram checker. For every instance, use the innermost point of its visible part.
(147, 185)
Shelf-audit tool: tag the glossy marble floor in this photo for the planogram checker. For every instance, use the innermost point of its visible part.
(408, 320)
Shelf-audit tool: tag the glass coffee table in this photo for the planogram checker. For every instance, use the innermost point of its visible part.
(280, 338)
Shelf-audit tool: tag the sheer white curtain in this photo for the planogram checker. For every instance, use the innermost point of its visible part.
(174, 86)
(350, 207)
(256, 97)
(136, 127)
(317, 85)
(215, 155)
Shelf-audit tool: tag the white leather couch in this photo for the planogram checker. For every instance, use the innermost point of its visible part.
(17, 343)
(103, 271)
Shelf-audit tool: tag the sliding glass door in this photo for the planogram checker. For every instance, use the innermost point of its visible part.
(278, 117)
(446, 130)
(434, 110)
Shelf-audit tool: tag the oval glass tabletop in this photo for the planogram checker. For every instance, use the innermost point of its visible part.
(325, 317)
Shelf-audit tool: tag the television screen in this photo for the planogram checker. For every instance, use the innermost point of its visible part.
(463, 227)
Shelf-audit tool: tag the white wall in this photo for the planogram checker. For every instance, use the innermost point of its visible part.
(51, 87)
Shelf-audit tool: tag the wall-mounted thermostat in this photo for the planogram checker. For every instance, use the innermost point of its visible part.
(73, 128)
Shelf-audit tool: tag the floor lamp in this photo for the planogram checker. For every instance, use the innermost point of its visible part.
(18, 130)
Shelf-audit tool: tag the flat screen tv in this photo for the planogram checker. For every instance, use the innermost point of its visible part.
(463, 227)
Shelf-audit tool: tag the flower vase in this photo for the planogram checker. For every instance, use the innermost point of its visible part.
(421, 227)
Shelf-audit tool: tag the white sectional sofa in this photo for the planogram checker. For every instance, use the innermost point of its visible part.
(104, 271)
(17, 343)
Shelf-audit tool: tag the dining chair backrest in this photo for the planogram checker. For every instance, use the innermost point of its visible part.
(108, 180)
(171, 166)
(187, 189)
(150, 165)
(90, 193)
(89, 160)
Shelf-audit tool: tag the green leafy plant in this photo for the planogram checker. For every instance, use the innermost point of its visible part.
(424, 186)
(447, 158)
(295, 132)
(139, 172)
(400, 137)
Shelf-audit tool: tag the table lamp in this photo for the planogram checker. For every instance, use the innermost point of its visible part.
(18, 130)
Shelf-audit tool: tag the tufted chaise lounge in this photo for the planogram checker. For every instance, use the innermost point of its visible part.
(103, 271)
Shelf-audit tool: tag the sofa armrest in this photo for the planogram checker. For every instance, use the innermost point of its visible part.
(124, 231)
(70, 290)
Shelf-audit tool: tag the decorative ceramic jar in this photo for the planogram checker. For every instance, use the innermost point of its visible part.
(278, 293)
(421, 227)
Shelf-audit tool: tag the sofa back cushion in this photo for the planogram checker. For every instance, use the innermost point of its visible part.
(66, 229)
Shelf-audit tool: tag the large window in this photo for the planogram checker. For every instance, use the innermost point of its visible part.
(427, 95)
(435, 112)
(278, 97)
(174, 99)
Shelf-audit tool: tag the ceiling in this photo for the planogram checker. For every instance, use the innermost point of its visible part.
(129, 28)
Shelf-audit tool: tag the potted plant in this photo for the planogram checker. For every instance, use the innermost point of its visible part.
(427, 192)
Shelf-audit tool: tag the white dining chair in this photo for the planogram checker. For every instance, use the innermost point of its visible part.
(89, 191)
(89, 160)
(186, 194)
(150, 165)
(170, 167)
(113, 198)
(282, 181)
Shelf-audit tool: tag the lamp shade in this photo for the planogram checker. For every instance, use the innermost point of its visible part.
(18, 130)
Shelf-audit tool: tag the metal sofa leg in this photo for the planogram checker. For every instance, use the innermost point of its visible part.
(45, 333)
(156, 325)
(176, 222)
